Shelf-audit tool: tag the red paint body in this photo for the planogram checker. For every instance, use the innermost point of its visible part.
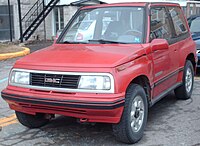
(125, 62)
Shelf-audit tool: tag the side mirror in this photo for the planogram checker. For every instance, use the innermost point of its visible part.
(159, 44)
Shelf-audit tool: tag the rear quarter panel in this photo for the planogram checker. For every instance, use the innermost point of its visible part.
(187, 47)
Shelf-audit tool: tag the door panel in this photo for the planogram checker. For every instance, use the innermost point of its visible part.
(163, 62)
(161, 69)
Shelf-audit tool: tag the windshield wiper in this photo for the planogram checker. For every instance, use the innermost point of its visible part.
(102, 41)
(69, 42)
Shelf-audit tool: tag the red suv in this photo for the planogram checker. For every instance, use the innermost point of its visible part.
(134, 55)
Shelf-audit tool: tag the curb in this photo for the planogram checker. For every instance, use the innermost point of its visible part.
(197, 78)
(4, 56)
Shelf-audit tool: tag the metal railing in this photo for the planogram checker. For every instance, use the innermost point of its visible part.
(33, 13)
(35, 16)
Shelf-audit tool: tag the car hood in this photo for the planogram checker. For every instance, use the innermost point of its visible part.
(83, 55)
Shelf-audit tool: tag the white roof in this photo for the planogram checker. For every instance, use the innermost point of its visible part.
(181, 2)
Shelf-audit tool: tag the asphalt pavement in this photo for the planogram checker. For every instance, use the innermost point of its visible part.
(171, 122)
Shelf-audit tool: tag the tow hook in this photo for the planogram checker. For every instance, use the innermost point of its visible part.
(83, 120)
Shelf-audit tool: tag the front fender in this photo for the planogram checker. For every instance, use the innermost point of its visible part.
(127, 72)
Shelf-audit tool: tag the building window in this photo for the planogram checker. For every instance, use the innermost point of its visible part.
(4, 22)
(59, 18)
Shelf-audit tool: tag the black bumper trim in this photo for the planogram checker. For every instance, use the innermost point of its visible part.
(64, 103)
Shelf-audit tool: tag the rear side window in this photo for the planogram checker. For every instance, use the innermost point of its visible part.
(160, 24)
(178, 20)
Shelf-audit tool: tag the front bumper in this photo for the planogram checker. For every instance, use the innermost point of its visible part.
(105, 108)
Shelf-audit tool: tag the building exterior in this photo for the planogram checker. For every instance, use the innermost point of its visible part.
(4, 17)
(59, 16)
(55, 20)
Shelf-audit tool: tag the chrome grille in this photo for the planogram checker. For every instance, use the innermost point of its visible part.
(54, 80)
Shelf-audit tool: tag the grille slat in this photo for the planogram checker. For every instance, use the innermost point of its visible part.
(37, 82)
(67, 82)
(36, 79)
(54, 80)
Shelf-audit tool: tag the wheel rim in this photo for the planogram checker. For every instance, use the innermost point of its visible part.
(188, 80)
(137, 113)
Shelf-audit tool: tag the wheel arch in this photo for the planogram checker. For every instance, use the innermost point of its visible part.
(143, 81)
(191, 57)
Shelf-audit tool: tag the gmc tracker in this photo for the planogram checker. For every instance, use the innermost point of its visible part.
(110, 64)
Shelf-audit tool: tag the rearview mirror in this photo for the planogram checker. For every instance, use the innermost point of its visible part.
(159, 44)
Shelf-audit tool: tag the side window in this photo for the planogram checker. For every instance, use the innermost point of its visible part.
(178, 20)
(160, 26)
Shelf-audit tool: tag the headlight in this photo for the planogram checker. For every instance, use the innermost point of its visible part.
(95, 83)
(20, 77)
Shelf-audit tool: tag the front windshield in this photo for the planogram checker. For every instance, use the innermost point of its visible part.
(106, 25)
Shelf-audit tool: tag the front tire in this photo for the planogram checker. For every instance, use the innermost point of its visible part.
(185, 90)
(134, 118)
(31, 121)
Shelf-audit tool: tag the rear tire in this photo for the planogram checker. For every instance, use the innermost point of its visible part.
(134, 118)
(31, 121)
(185, 90)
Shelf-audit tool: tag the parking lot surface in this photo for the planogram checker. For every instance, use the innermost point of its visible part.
(171, 122)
